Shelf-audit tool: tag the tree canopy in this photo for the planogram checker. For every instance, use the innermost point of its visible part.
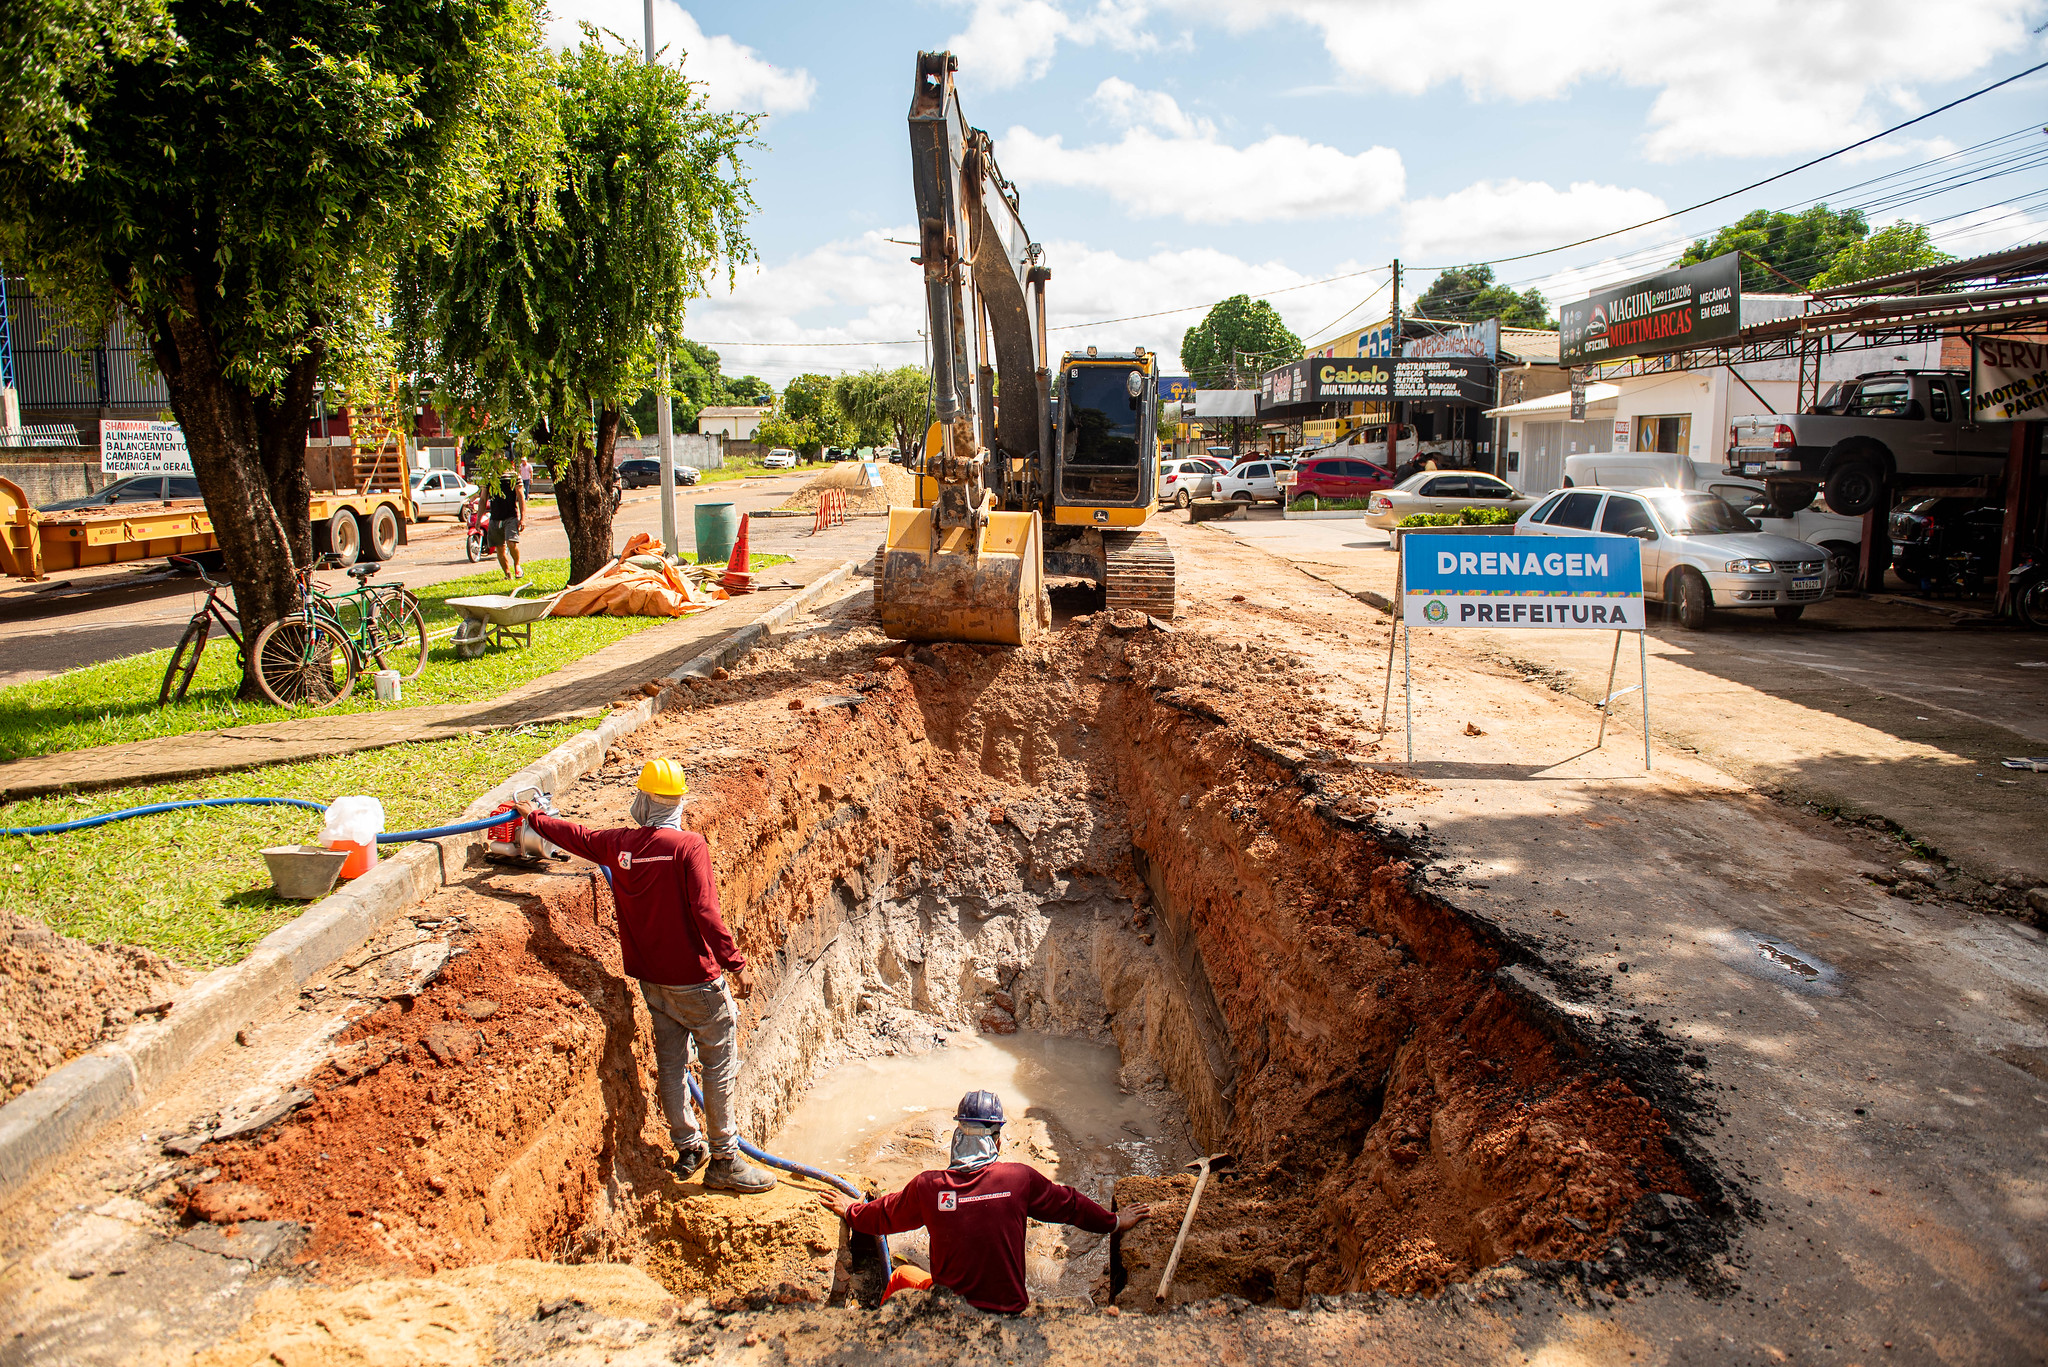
(244, 200)
(549, 315)
(1900, 247)
(806, 418)
(884, 405)
(1800, 245)
(697, 381)
(1237, 340)
(1468, 294)
(57, 58)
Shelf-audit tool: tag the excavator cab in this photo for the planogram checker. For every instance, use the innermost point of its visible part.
(1105, 464)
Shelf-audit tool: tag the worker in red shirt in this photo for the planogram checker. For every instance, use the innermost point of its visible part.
(976, 1210)
(677, 945)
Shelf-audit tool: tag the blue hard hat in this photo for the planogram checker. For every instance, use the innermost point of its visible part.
(980, 1108)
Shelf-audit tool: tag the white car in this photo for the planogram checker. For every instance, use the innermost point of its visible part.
(781, 458)
(1251, 482)
(437, 493)
(1441, 491)
(1181, 482)
(1698, 553)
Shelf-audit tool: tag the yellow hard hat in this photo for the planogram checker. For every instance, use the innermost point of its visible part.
(663, 778)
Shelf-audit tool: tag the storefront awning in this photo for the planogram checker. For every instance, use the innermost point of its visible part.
(1551, 404)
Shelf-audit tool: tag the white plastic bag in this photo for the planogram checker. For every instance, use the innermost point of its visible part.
(356, 820)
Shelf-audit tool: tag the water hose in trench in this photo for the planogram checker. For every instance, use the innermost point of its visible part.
(383, 837)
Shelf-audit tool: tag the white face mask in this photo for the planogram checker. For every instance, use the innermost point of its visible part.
(975, 1146)
(649, 810)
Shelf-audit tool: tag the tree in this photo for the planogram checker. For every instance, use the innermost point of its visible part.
(1238, 340)
(550, 314)
(1900, 247)
(1468, 294)
(806, 418)
(242, 202)
(1800, 245)
(884, 404)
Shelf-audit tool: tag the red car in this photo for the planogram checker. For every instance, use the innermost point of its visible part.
(1339, 477)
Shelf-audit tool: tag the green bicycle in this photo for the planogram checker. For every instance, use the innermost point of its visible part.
(314, 656)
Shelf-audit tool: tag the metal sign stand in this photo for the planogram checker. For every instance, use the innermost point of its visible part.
(1607, 703)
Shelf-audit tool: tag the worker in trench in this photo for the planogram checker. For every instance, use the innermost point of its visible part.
(676, 944)
(976, 1209)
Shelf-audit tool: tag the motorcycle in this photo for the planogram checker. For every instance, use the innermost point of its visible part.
(2030, 592)
(476, 516)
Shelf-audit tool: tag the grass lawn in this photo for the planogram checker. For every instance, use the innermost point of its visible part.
(192, 885)
(116, 701)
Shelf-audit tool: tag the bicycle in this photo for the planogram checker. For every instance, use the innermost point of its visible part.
(316, 654)
(185, 659)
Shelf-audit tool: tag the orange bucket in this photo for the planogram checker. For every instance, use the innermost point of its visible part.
(361, 858)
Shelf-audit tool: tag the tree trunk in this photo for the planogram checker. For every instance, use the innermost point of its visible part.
(249, 456)
(583, 499)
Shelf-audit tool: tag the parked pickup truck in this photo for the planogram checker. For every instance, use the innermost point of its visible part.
(1902, 428)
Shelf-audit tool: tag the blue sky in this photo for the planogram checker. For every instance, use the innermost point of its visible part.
(1169, 156)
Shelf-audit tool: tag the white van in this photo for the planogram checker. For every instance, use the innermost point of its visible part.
(1630, 470)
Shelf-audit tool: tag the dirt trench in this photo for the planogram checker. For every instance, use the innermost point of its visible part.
(1101, 835)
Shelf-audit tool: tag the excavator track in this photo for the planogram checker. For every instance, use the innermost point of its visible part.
(1138, 572)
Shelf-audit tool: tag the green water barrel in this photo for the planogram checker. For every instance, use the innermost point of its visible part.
(717, 527)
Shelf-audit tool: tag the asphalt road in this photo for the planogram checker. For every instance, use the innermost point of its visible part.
(85, 618)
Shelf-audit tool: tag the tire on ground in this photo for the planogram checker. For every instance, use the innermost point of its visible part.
(342, 536)
(1690, 598)
(1848, 558)
(380, 535)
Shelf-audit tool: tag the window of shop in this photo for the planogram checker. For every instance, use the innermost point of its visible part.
(1670, 434)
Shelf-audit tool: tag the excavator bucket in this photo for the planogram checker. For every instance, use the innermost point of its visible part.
(986, 587)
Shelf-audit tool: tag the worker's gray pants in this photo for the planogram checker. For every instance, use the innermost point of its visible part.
(703, 1013)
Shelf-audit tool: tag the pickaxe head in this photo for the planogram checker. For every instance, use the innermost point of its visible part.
(1211, 1162)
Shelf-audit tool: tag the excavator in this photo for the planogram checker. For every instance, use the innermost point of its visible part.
(1027, 473)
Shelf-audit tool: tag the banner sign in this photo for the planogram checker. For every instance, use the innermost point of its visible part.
(1473, 339)
(1458, 379)
(143, 448)
(2009, 379)
(1522, 581)
(1176, 389)
(1670, 311)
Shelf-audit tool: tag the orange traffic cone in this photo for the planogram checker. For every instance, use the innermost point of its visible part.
(736, 578)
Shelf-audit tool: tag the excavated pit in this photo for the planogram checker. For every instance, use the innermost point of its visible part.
(1100, 839)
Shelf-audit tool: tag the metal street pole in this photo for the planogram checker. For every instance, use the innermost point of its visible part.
(1394, 351)
(664, 421)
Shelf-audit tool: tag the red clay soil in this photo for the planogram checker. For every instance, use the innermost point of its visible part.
(1403, 1120)
(60, 997)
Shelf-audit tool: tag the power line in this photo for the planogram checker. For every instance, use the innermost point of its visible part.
(1755, 184)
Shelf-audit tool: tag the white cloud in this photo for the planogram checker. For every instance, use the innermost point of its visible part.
(1991, 229)
(735, 76)
(1500, 218)
(1170, 164)
(1738, 78)
(864, 291)
(1008, 42)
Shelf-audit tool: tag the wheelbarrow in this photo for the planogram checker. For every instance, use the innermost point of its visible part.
(497, 619)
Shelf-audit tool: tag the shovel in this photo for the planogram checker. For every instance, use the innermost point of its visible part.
(1202, 1167)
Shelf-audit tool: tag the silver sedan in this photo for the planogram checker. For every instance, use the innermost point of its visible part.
(1441, 491)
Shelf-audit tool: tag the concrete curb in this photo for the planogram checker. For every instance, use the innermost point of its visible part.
(68, 1106)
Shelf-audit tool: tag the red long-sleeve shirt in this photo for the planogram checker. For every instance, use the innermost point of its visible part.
(976, 1221)
(670, 926)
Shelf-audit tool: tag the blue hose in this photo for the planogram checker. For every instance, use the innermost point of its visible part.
(761, 1155)
(87, 823)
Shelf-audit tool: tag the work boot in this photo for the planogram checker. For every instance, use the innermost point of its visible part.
(735, 1173)
(689, 1159)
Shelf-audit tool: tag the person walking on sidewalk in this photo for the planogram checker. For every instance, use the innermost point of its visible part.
(976, 1210)
(508, 517)
(677, 945)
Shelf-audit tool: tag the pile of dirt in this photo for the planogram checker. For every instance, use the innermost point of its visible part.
(60, 997)
(899, 488)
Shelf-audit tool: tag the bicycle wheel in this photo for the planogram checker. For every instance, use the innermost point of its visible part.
(400, 639)
(305, 661)
(184, 660)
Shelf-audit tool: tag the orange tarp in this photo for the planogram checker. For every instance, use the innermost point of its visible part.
(623, 590)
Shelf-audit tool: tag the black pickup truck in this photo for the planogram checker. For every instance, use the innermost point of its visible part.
(1897, 428)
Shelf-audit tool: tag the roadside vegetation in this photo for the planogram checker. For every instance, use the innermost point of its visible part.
(192, 885)
(1310, 503)
(106, 704)
(1464, 517)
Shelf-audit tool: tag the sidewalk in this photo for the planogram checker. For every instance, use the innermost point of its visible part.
(581, 689)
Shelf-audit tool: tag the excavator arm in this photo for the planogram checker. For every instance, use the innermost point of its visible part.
(967, 563)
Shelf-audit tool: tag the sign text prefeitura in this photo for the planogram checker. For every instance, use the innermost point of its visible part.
(1673, 310)
(1552, 582)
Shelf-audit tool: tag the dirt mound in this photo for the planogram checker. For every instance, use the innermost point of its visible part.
(899, 488)
(60, 997)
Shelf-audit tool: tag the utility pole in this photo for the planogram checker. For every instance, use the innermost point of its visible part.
(664, 419)
(1394, 350)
